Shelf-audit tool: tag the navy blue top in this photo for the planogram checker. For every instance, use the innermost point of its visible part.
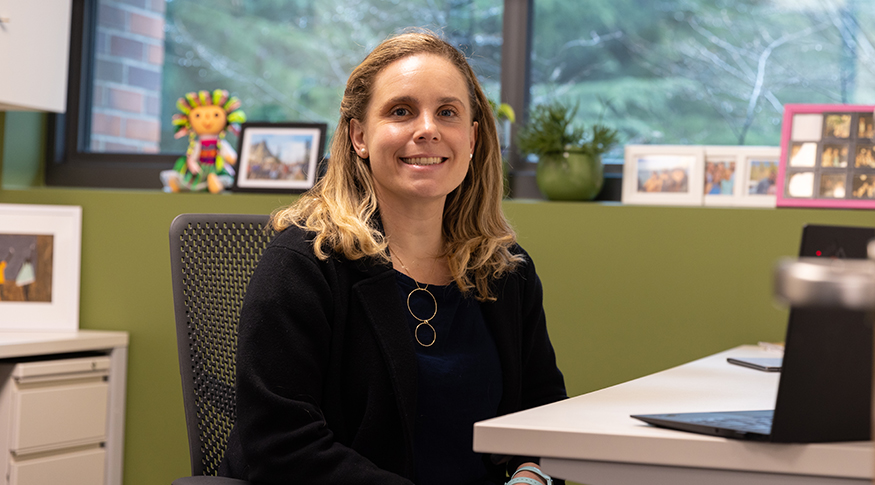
(459, 380)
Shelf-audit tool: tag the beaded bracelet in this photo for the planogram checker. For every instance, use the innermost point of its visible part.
(529, 481)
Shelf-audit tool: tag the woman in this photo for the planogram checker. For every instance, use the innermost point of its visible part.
(394, 309)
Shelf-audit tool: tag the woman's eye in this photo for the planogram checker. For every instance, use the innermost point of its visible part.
(399, 111)
(447, 112)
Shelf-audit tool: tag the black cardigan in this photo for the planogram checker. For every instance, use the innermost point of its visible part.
(326, 369)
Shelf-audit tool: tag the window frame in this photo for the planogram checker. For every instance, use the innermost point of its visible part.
(67, 163)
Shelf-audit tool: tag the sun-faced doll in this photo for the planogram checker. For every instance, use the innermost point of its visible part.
(207, 165)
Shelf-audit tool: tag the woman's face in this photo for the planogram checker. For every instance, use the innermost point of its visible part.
(418, 132)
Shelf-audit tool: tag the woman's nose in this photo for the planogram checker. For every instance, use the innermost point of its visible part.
(426, 128)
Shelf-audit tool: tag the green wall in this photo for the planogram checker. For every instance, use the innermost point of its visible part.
(22, 148)
(629, 290)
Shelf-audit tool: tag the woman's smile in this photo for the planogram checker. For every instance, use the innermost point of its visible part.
(423, 160)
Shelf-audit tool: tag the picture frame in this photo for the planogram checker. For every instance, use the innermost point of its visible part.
(279, 157)
(760, 165)
(40, 262)
(663, 174)
(827, 156)
(746, 176)
(721, 176)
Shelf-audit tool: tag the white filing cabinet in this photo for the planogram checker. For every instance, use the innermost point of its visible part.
(53, 419)
(62, 401)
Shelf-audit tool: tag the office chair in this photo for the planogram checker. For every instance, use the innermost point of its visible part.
(212, 259)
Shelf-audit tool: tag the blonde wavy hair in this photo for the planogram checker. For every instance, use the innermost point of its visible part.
(342, 208)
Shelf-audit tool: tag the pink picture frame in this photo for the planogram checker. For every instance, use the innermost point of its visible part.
(827, 157)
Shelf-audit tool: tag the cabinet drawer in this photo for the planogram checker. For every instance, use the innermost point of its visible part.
(47, 417)
(78, 468)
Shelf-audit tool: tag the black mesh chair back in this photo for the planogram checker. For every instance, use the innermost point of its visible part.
(212, 259)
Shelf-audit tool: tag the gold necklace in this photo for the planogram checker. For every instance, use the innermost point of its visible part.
(422, 322)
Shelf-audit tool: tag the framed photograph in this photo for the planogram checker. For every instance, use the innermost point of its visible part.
(722, 177)
(827, 157)
(279, 157)
(741, 176)
(40, 249)
(663, 174)
(760, 176)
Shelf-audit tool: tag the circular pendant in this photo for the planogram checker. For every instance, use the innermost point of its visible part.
(409, 295)
(433, 333)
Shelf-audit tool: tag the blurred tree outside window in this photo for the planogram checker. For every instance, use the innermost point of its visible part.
(701, 72)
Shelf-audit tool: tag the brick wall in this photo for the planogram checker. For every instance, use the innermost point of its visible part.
(129, 55)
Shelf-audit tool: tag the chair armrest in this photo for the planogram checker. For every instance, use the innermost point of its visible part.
(208, 480)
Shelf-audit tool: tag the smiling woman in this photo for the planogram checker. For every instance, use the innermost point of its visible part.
(374, 334)
(350, 180)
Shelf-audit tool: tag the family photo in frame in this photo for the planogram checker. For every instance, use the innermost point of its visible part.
(663, 174)
(279, 157)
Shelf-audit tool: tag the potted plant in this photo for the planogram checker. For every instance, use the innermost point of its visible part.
(569, 157)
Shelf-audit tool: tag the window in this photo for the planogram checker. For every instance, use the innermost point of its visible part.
(287, 60)
(668, 72)
(701, 71)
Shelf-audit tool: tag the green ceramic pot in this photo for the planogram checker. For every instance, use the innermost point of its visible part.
(570, 175)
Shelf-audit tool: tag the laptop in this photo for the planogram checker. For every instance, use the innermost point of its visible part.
(825, 388)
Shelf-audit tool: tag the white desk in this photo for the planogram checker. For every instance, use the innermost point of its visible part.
(591, 439)
(115, 345)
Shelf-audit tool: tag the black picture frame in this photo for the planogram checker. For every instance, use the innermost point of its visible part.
(279, 157)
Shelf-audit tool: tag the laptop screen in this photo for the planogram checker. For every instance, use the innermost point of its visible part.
(826, 380)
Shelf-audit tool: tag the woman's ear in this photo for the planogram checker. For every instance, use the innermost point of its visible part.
(357, 138)
(474, 130)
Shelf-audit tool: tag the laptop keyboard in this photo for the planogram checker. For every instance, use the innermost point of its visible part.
(761, 424)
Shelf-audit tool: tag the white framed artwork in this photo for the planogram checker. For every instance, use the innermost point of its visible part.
(40, 251)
